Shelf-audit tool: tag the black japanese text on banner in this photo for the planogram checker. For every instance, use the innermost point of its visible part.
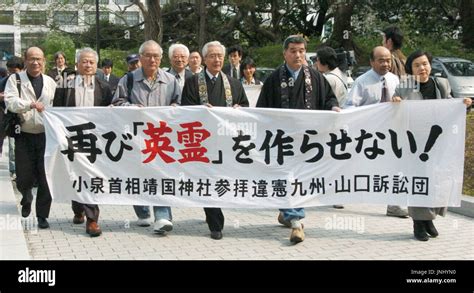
(411, 153)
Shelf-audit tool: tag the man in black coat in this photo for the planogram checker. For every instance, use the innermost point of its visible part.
(113, 80)
(235, 56)
(295, 85)
(211, 87)
(85, 90)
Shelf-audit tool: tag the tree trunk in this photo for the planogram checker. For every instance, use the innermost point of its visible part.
(467, 20)
(154, 22)
(322, 10)
(342, 31)
(202, 36)
(274, 9)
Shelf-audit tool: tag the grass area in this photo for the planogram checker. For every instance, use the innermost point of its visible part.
(468, 187)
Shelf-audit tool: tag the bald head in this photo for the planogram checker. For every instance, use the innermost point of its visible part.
(34, 59)
(32, 50)
(380, 60)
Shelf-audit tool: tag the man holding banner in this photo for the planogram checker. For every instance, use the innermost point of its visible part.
(85, 90)
(150, 86)
(212, 87)
(377, 86)
(296, 86)
(29, 93)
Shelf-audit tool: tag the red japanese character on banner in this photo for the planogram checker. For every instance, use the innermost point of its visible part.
(159, 143)
(192, 138)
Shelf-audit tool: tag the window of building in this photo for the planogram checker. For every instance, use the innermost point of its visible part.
(6, 17)
(92, 2)
(89, 17)
(128, 18)
(32, 1)
(65, 18)
(33, 17)
(31, 39)
(122, 2)
(7, 42)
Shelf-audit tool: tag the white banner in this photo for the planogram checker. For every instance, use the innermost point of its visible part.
(409, 154)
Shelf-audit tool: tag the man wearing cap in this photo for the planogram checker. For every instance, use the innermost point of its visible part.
(133, 62)
(113, 80)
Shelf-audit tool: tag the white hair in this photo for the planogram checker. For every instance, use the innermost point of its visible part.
(212, 44)
(87, 50)
(150, 43)
(177, 46)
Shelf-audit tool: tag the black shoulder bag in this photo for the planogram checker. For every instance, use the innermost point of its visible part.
(12, 121)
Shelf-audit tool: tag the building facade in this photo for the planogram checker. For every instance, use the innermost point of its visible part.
(26, 22)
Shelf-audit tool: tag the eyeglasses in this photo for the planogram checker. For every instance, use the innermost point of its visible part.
(180, 57)
(215, 56)
(33, 60)
(152, 56)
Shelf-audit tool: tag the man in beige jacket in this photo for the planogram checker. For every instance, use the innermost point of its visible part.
(36, 93)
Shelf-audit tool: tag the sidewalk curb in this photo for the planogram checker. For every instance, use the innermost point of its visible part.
(13, 244)
(466, 208)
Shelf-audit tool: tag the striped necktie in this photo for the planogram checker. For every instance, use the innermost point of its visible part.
(384, 96)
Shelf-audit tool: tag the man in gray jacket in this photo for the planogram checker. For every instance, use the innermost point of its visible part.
(37, 93)
(150, 86)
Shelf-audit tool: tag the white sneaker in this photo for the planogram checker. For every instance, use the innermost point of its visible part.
(162, 226)
(144, 222)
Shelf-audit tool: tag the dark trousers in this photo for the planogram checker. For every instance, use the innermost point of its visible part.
(29, 159)
(90, 210)
(214, 219)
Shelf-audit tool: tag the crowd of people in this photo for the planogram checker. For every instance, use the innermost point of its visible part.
(202, 78)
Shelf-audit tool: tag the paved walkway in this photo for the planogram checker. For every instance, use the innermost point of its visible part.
(358, 232)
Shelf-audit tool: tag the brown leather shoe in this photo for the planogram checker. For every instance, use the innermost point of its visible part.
(282, 221)
(297, 235)
(93, 229)
(78, 218)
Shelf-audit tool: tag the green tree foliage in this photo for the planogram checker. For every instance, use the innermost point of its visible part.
(118, 57)
(468, 187)
(112, 36)
(55, 42)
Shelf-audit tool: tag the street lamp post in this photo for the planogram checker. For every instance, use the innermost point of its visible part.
(97, 29)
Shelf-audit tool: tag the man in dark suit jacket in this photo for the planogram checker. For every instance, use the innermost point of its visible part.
(85, 90)
(216, 85)
(113, 80)
(235, 56)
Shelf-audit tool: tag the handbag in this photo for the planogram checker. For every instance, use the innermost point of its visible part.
(12, 124)
(12, 121)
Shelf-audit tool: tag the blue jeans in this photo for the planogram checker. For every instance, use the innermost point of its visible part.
(293, 214)
(143, 212)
